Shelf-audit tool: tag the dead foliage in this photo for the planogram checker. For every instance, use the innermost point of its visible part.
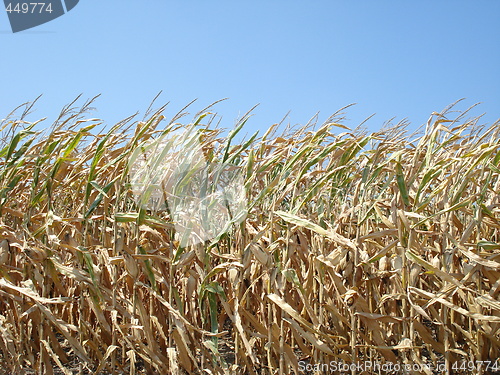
(356, 246)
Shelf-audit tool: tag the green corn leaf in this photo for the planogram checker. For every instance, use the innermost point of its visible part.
(401, 184)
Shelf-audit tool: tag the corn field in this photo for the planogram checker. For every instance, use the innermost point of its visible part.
(375, 247)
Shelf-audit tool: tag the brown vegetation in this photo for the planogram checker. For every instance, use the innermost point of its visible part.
(356, 247)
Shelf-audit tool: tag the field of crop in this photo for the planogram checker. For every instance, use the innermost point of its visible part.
(379, 248)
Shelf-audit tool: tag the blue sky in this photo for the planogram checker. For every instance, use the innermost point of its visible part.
(400, 59)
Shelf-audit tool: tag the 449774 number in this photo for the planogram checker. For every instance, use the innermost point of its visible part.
(29, 8)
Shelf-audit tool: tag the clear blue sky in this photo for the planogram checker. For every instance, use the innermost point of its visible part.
(394, 58)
